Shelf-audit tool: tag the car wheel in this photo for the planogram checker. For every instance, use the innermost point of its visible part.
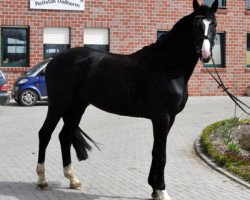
(28, 98)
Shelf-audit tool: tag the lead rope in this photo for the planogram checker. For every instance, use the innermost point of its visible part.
(221, 85)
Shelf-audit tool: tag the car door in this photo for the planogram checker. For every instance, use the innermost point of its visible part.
(42, 84)
(2, 79)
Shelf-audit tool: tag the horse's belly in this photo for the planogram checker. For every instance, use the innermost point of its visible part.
(117, 102)
(120, 108)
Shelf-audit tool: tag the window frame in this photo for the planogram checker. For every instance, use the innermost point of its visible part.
(220, 6)
(44, 49)
(27, 63)
(160, 33)
(222, 44)
(97, 46)
(248, 4)
(248, 34)
(44, 44)
(223, 52)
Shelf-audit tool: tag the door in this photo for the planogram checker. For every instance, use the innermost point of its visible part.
(42, 84)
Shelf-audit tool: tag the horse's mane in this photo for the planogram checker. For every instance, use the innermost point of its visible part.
(166, 39)
(178, 28)
(182, 26)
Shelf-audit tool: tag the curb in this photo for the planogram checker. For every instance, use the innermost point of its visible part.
(209, 162)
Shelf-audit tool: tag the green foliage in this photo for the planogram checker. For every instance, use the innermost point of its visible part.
(226, 130)
(231, 160)
(233, 147)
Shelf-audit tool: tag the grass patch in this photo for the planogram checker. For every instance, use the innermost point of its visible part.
(230, 159)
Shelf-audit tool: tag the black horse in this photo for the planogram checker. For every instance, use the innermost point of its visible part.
(150, 83)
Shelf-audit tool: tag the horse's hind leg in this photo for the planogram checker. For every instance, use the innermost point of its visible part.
(44, 137)
(71, 119)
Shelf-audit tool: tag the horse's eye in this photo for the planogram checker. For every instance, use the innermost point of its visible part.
(214, 24)
(198, 22)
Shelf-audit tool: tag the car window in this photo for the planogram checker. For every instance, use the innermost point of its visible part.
(42, 73)
(2, 78)
(35, 68)
(1, 75)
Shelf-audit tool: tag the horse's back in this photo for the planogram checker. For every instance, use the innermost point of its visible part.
(112, 85)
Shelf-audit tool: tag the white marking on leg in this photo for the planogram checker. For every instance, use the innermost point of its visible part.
(68, 173)
(161, 195)
(40, 170)
(206, 43)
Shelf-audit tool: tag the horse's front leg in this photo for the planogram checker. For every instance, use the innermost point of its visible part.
(161, 127)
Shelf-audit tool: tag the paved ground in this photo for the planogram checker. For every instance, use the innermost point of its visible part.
(120, 170)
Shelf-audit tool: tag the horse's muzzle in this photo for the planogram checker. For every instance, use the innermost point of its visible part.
(206, 49)
(205, 60)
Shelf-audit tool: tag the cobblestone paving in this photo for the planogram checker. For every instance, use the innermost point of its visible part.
(120, 169)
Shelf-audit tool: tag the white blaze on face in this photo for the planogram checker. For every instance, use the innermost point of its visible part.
(205, 50)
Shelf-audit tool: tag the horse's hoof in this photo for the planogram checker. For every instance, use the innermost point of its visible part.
(42, 186)
(161, 195)
(75, 186)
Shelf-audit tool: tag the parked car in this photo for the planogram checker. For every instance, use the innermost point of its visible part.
(31, 87)
(4, 96)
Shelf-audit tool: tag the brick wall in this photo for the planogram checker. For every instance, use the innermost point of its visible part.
(134, 24)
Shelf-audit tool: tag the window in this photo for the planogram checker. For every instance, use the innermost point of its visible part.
(248, 4)
(97, 38)
(160, 33)
(15, 46)
(248, 50)
(55, 40)
(218, 51)
(222, 3)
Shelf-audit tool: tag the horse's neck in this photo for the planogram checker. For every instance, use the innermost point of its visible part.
(177, 51)
(182, 52)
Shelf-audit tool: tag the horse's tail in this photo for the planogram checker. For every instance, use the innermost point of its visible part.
(81, 145)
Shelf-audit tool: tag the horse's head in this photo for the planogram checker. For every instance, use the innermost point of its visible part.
(204, 29)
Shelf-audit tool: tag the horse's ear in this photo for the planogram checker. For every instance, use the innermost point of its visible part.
(215, 5)
(196, 4)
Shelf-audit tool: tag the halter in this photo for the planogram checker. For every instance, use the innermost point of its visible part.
(196, 42)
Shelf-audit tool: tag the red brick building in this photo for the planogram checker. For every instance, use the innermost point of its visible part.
(36, 29)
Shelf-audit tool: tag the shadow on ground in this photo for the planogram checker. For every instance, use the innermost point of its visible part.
(12, 103)
(28, 191)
